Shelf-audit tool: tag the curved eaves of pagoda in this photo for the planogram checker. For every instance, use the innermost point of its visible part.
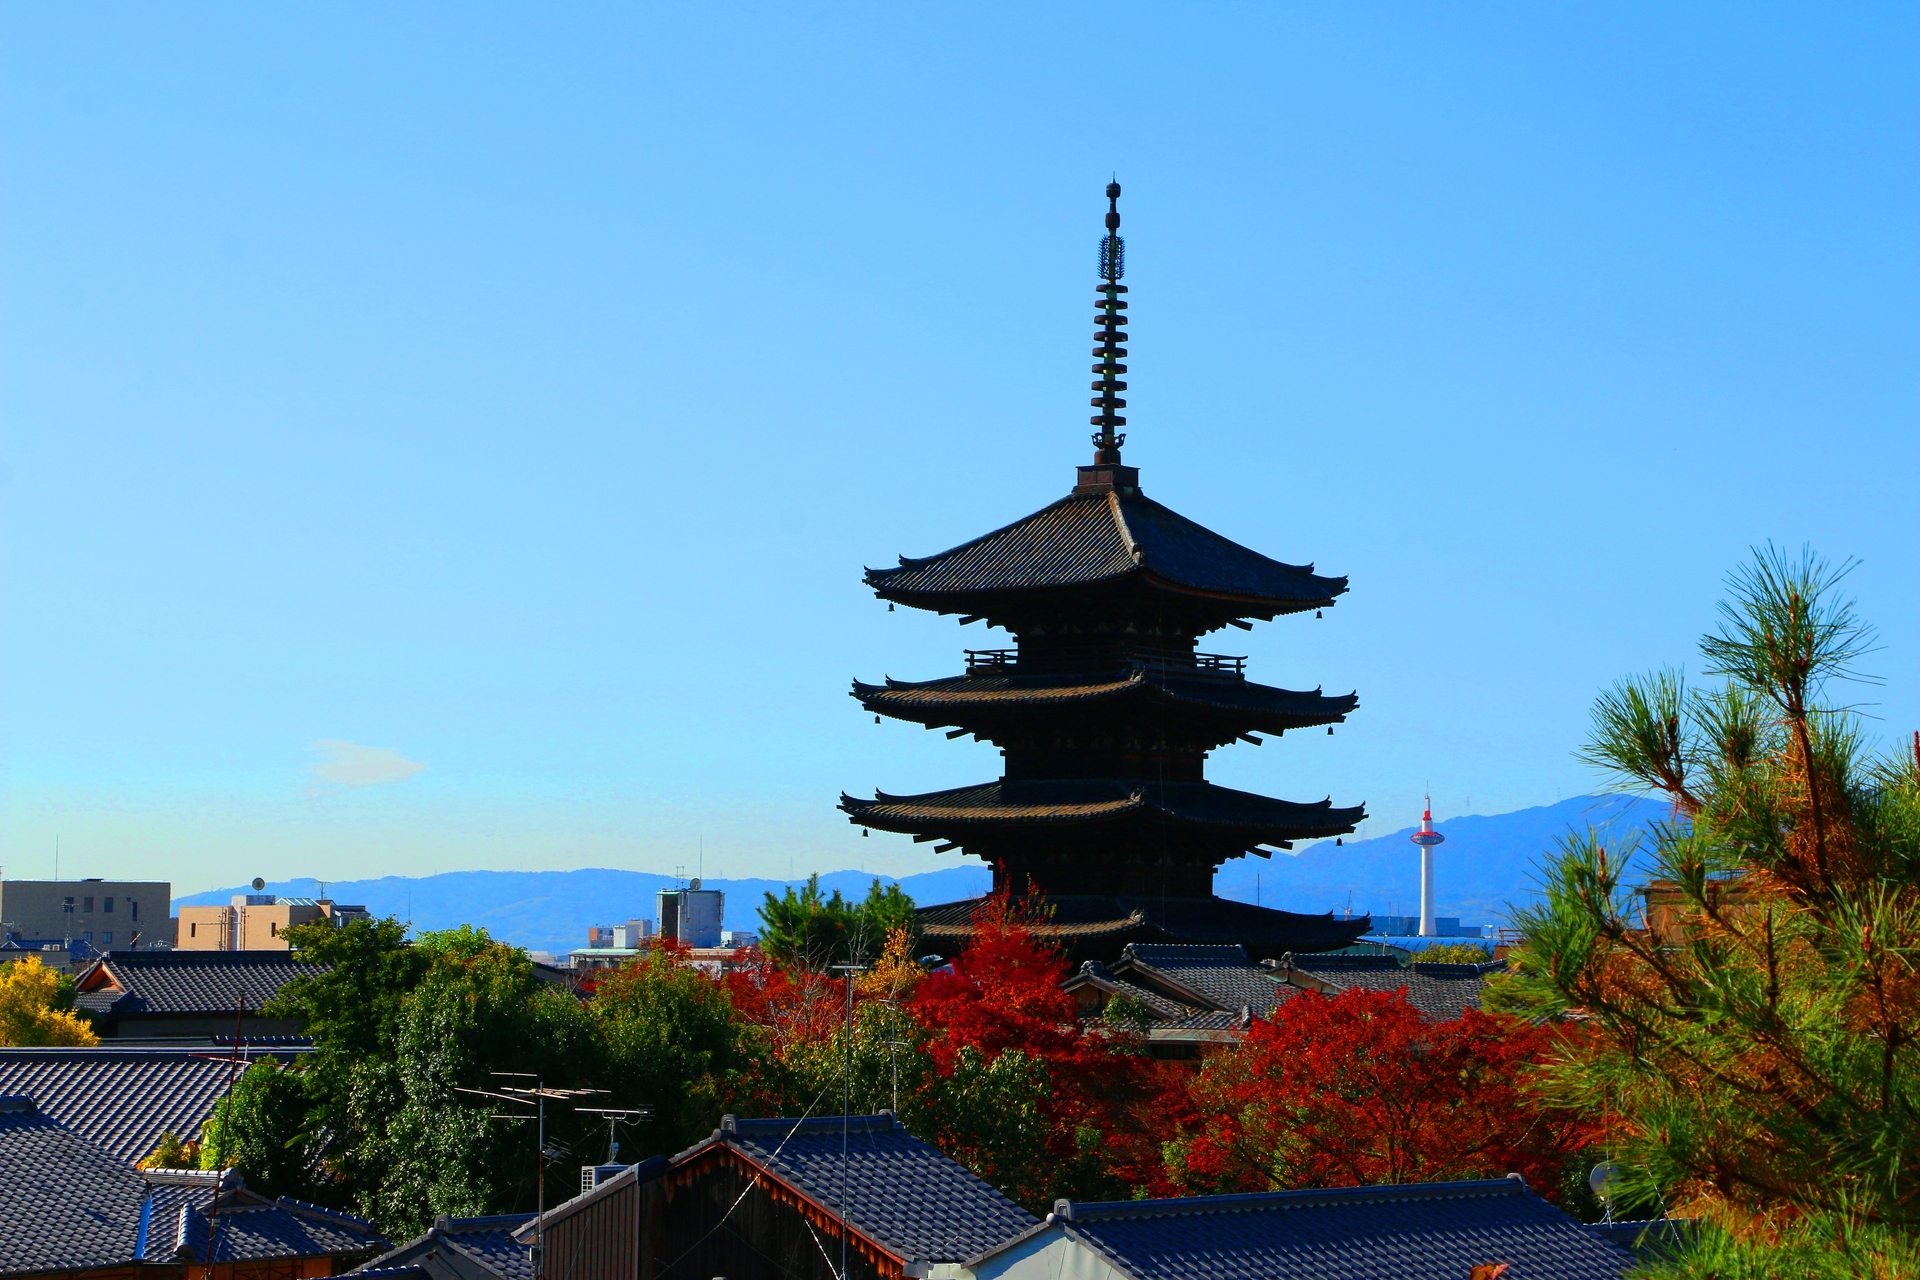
(1196, 812)
(1119, 549)
(987, 703)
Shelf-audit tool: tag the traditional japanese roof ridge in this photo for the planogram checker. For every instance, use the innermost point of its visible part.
(1086, 539)
(1284, 708)
(124, 1099)
(488, 1243)
(1219, 974)
(1410, 1232)
(1262, 819)
(1162, 1006)
(901, 1193)
(187, 981)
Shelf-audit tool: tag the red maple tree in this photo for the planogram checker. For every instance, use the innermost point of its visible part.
(1358, 1090)
(1020, 1090)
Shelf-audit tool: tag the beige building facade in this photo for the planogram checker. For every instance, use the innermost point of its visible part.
(255, 922)
(105, 914)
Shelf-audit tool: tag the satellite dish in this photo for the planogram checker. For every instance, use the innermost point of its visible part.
(258, 884)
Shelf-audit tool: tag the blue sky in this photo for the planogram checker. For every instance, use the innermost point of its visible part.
(446, 436)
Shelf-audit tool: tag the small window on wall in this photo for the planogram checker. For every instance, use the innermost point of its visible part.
(193, 930)
(273, 929)
(107, 937)
(106, 905)
(87, 908)
(133, 908)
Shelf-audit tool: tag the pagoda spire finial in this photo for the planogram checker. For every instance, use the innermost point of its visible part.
(1110, 352)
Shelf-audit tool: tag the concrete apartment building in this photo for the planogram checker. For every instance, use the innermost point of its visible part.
(105, 914)
(255, 922)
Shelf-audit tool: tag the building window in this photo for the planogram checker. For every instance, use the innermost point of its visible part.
(133, 908)
(273, 929)
(87, 937)
(69, 902)
(193, 931)
(87, 908)
(106, 905)
(107, 937)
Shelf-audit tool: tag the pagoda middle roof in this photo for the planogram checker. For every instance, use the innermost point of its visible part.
(931, 700)
(1068, 802)
(1106, 537)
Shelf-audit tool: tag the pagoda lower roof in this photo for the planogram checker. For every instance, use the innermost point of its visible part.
(1105, 537)
(1098, 927)
(967, 698)
(1199, 807)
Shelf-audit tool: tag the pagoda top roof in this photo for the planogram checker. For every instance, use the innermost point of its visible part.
(1102, 534)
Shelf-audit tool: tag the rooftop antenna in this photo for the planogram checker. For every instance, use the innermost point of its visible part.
(1109, 354)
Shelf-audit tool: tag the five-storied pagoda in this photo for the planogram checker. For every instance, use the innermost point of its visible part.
(1105, 711)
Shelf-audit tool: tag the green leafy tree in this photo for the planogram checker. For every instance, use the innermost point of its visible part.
(425, 1148)
(259, 1129)
(1455, 953)
(1751, 1020)
(353, 1012)
(813, 931)
(673, 1041)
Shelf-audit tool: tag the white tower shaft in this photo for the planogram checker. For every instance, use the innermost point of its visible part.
(1426, 891)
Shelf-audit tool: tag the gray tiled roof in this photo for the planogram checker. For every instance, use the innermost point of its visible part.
(200, 982)
(1102, 538)
(1222, 974)
(121, 1099)
(896, 1190)
(1159, 1005)
(488, 1245)
(1432, 1231)
(1441, 992)
(64, 1203)
(247, 1227)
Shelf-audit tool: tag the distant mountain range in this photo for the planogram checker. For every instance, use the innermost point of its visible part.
(1487, 863)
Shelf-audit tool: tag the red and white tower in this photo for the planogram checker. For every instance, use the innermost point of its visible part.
(1426, 837)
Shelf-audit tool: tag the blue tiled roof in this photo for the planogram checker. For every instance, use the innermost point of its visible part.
(65, 1205)
(1432, 1231)
(121, 1099)
(247, 1227)
(897, 1191)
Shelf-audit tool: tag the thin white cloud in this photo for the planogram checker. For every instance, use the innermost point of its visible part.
(353, 765)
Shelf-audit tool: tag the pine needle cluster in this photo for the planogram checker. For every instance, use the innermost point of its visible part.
(1750, 1013)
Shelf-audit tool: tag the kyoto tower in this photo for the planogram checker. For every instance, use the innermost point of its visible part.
(1426, 837)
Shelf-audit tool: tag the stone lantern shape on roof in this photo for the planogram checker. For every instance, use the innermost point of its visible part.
(1105, 710)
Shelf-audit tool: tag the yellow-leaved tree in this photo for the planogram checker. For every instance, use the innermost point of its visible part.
(35, 1007)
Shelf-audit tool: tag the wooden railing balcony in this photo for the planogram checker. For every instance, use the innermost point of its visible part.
(1218, 664)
